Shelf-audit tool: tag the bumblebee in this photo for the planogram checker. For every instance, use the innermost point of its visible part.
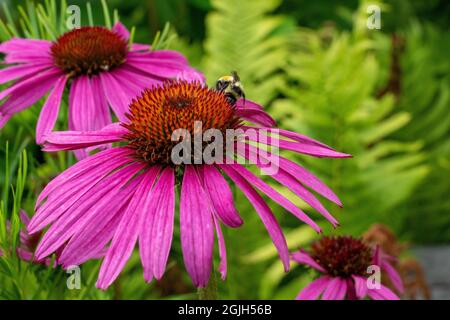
(231, 86)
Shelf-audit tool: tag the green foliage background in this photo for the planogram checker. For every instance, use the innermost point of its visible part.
(319, 71)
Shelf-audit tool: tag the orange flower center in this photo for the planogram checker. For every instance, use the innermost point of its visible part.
(89, 50)
(161, 111)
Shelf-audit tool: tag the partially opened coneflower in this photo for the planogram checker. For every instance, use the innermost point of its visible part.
(99, 65)
(126, 194)
(28, 243)
(344, 262)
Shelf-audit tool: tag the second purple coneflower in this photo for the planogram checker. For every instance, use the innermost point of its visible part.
(99, 66)
(346, 264)
(127, 194)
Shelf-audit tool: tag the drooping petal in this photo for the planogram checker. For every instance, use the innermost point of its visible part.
(24, 218)
(376, 259)
(256, 116)
(81, 168)
(25, 93)
(81, 107)
(244, 104)
(303, 257)
(84, 245)
(103, 115)
(383, 293)
(117, 99)
(313, 290)
(69, 186)
(191, 75)
(73, 219)
(196, 228)
(360, 286)
(287, 180)
(308, 179)
(221, 196)
(222, 249)
(156, 233)
(335, 289)
(127, 233)
(264, 212)
(99, 230)
(393, 275)
(139, 47)
(121, 30)
(22, 70)
(155, 64)
(272, 193)
(169, 55)
(293, 136)
(135, 79)
(301, 144)
(50, 110)
(72, 140)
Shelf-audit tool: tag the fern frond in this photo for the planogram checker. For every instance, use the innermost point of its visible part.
(243, 37)
(331, 98)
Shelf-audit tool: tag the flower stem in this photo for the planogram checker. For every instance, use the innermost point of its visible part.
(210, 291)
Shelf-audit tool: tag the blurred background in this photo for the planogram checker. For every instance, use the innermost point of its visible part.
(382, 95)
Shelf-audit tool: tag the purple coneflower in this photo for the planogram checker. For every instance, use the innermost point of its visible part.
(344, 262)
(102, 69)
(128, 193)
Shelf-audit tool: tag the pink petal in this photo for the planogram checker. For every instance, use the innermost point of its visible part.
(135, 80)
(117, 98)
(80, 168)
(121, 30)
(287, 180)
(18, 44)
(140, 47)
(19, 71)
(256, 116)
(68, 187)
(299, 147)
(24, 217)
(126, 235)
(72, 140)
(313, 290)
(264, 213)
(303, 257)
(191, 75)
(308, 179)
(196, 228)
(360, 286)
(335, 289)
(103, 116)
(50, 110)
(81, 211)
(221, 196)
(158, 67)
(244, 104)
(293, 135)
(393, 275)
(157, 229)
(99, 230)
(169, 55)
(81, 107)
(25, 93)
(383, 293)
(273, 194)
(222, 250)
